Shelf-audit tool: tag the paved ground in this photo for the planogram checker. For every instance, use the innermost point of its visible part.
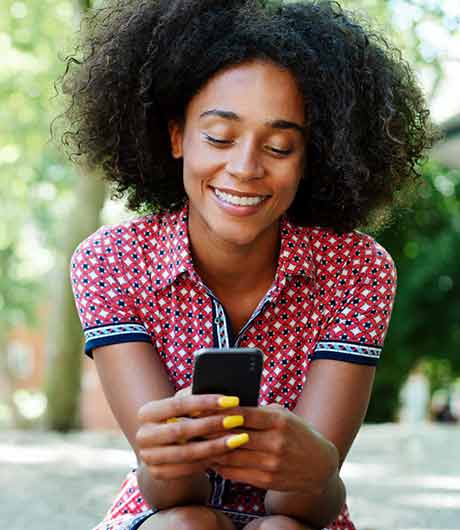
(397, 478)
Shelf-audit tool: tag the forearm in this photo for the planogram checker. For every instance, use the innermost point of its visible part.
(316, 510)
(194, 489)
(320, 499)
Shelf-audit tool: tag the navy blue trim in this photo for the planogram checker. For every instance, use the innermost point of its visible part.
(141, 518)
(228, 325)
(115, 339)
(352, 343)
(113, 324)
(215, 337)
(354, 359)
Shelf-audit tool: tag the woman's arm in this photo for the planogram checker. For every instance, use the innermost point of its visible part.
(334, 402)
(314, 510)
(132, 375)
(169, 493)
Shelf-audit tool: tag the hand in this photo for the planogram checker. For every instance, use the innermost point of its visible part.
(158, 441)
(187, 391)
(282, 454)
(198, 414)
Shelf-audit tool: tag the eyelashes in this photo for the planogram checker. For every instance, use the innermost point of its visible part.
(219, 142)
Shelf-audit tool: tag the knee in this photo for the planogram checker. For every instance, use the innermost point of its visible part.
(276, 522)
(193, 518)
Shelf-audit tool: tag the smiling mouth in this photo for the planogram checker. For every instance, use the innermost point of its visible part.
(239, 200)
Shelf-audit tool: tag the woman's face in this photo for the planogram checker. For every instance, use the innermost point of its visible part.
(243, 151)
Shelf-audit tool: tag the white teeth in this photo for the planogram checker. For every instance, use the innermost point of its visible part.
(238, 201)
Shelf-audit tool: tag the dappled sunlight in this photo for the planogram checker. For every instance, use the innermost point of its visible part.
(430, 500)
(68, 454)
(10, 454)
(438, 482)
(365, 471)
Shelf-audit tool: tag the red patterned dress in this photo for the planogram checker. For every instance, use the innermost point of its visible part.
(331, 298)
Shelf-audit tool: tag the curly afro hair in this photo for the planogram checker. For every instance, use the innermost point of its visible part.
(139, 62)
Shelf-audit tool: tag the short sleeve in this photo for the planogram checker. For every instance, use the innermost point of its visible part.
(356, 333)
(103, 296)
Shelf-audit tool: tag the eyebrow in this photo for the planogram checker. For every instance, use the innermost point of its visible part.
(276, 124)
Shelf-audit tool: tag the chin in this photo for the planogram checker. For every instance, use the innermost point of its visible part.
(239, 231)
(237, 235)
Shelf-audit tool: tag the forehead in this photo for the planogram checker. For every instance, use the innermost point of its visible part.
(257, 90)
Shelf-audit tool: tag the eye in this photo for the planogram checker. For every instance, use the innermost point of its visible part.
(274, 150)
(216, 140)
(280, 152)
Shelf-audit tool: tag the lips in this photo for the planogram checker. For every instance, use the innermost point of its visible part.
(239, 193)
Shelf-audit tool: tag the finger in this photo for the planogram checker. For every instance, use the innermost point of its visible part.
(162, 409)
(202, 413)
(192, 451)
(173, 471)
(264, 418)
(175, 420)
(272, 442)
(174, 430)
(247, 459)
(212, 436)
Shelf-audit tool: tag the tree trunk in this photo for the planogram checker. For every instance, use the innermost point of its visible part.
(65, 334)
(64, 351)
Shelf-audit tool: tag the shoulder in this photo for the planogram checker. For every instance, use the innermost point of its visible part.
(139, 234)
(359, 251)
(349, 259)
(373, 260)
(125, 249)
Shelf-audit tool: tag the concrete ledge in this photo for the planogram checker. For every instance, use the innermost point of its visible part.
(398, 478)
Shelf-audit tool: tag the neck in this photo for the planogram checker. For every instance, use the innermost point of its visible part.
(225, 265)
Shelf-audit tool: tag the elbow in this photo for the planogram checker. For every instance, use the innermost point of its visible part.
(330, 472)
(144, 483)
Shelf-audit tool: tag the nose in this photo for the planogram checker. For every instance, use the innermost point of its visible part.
(244, 163)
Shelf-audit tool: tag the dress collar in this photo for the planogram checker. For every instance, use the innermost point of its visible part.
(173, 252)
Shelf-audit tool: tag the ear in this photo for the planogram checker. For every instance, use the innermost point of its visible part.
(176, 135)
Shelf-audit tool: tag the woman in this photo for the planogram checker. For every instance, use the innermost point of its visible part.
(261, 135)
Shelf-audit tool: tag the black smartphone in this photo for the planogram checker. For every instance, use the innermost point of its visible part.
(229, 371)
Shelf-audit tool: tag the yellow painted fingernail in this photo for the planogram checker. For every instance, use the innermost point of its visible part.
(230, 422)
(172, 420)
(237, 440)
(226, 402)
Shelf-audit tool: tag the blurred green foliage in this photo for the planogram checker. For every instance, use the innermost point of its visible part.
(425, 245)
(37, 190)
(35, 181)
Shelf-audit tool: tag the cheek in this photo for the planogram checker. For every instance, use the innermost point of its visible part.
(199, 165)
(293, 182)
(290, 183)
(197, 174)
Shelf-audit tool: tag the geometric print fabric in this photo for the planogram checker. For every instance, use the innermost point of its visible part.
(331, 298)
